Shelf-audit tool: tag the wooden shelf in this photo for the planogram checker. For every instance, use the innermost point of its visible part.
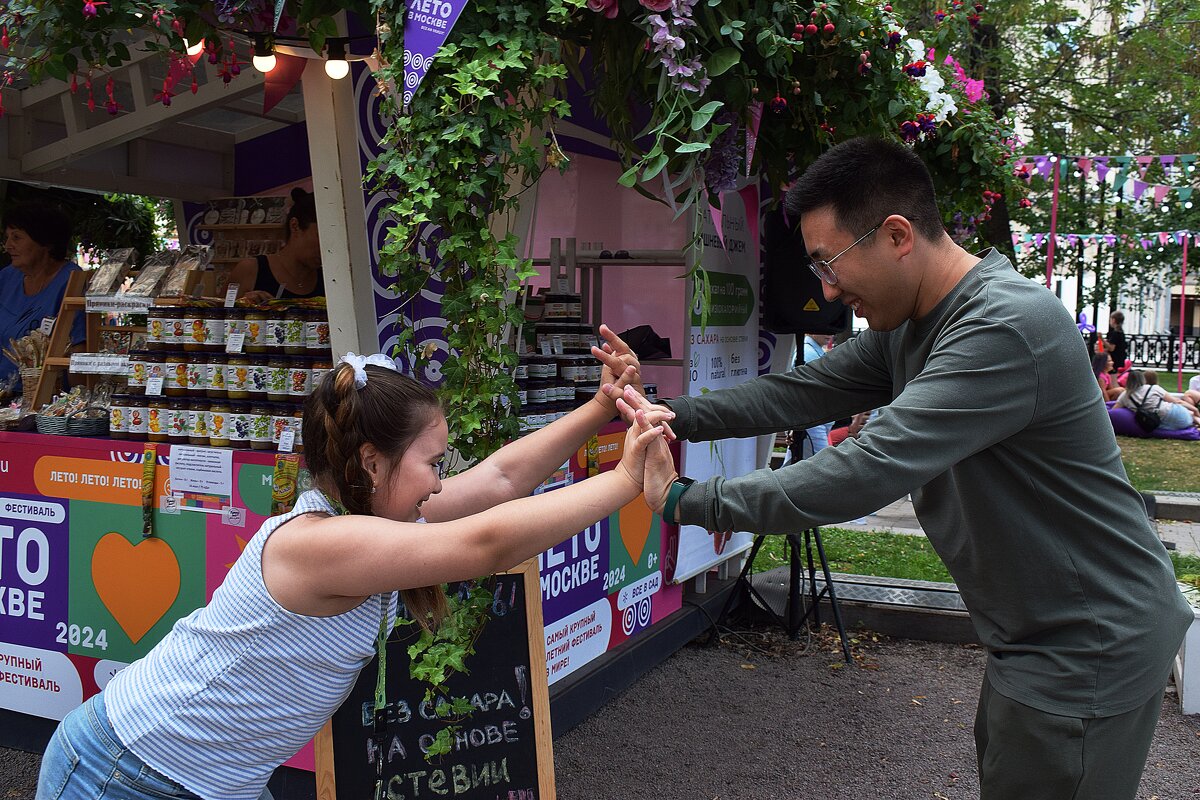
(590, 263)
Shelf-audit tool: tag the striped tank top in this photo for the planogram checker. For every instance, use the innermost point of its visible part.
(237, 687)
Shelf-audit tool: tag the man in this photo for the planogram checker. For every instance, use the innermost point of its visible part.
(990, 417)
(1115, 341)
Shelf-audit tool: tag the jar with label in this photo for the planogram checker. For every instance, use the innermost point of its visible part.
(214, 330)
(276, 331)
(214, 371)
(523, 391)
(175, 367)
(316, 331)
(137, 371)
(556, 308)
(522, 370)
(585, 392)
(299, 372)
(156, 419)
(172, 318)
(237, 377)
(293, 333)
(239, 425)
(260, 427)
(256, 332)
(118, 417)
(259, 376)
(234, 322)
(322, 365)
(198, 422)
(586, 336)
(197, 375)
(537, 390)
(155, 365)
(178, 420)
(136, 412)
(281, 420)
(277, 379)
(298, 427)
(193, 330)
(218, 423)
(155, 328)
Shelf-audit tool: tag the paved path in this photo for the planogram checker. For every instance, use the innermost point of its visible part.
(899, 517)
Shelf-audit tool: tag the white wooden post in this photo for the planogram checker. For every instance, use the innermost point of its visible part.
(331, 116)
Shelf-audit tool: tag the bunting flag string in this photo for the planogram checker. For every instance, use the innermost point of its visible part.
(1037, 241)
(1179, 168)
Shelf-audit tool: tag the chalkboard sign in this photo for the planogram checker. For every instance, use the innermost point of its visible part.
(501, 752)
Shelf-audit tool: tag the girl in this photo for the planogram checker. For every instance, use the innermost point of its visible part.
(237, 687)
(295, 271)
(1102, 368)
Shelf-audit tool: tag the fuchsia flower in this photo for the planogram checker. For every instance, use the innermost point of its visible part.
(916, 69)
(656, 5)
(606, 7)
(91, 8)
(910, 131)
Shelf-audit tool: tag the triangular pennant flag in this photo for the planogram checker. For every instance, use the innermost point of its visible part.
(423, 35)
(1085, 166)
(1027, 237)
(752, 132)
(1144, 164)
(1016, 239)
(1101, 167)
(1064, 167)
(1139, 188)
(1039, 239)
(1166, 160)
(1180, 236)
(1072, 240)
(1146, 244)
(1122, 161)
(279, 82)
(1043, 167)
(1160, 192)
(1184, 192)
(1163, 236)
(1187, 163)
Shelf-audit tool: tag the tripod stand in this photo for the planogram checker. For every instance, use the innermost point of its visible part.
(795, 618)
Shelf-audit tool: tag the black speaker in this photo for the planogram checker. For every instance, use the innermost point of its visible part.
(792, 298)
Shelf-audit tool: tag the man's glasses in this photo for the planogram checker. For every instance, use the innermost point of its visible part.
(823, 268)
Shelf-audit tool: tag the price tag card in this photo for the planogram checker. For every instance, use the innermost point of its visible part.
(235, 343)
(231, 295)
(168, 504)
(287, 440)
(545, 347)
(154, 385)
(557, 345)
(99, 364)
(47, 325)
(232, 515)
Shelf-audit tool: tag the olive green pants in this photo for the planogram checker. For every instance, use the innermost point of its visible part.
(1026, 754)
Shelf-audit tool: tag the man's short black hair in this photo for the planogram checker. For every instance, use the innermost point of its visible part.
(865, 181)
(43, 223)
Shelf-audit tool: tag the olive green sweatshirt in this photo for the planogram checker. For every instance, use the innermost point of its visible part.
(990, 417)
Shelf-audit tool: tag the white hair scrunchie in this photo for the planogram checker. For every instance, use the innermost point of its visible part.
(359, 365)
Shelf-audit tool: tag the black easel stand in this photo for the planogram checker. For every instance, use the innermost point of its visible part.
(795, 571)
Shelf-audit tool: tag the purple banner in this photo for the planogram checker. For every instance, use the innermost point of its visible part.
(427, 23)
(573, 572)
(34, 566)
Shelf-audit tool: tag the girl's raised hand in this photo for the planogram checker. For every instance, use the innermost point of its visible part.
(638, 440)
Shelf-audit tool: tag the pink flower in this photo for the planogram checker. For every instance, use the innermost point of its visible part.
(606, 7)
(974, 90)
(656, 5)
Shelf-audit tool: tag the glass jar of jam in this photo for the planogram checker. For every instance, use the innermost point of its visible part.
(276, 331)
(197, 375)
(137, 418)
(218, 423)
(277, 379)
(239, 425)
(198, 422)
(298, 427)
(214, 371)
(316, 331)
(118, 417)
(256, 331)
(322, 365)
(155, 328)
(281, 420)
(172, 335)
(299, 378)
(178, 422)
(259, 376)
(235, 322)
(260, 427)
(293, 333)
(137, 371)
(155, 365)
(237, 377)
(175, 373)
(193, 330)
(156, 419)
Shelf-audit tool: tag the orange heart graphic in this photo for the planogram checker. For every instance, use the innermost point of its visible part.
(635, 520)
(137, 583)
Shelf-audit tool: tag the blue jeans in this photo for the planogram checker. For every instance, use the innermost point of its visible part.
(85, 759)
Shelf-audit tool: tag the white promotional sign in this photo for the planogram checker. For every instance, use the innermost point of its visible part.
(578, 639)
(722, 352)
(38, 682)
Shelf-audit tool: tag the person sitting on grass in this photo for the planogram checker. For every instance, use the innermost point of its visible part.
(1176, 413)
(1102, 368)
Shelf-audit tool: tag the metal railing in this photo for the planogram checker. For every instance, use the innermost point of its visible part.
(1161, 351)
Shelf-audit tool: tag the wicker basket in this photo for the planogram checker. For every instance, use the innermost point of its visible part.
(97, 425)
(55, 426)
(29, 385)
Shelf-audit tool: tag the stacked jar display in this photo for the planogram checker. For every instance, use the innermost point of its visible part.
(215, 398)
(560, 373)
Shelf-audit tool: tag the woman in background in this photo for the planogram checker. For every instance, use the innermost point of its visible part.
(295, 271)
